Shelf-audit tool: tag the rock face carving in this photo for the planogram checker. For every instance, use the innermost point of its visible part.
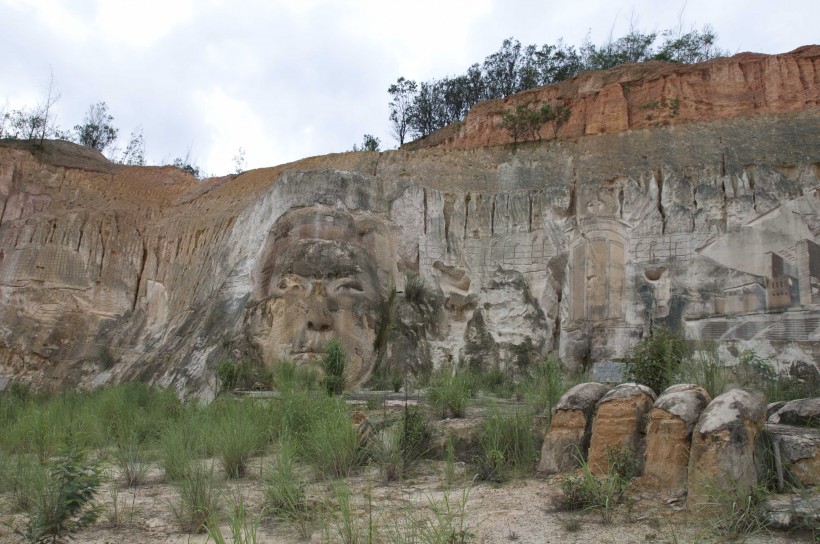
(669, 436)
(318, 279)
(570, 428)
(573, 246)
(723, 445)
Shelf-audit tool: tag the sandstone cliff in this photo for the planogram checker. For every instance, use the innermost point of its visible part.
(576, 245)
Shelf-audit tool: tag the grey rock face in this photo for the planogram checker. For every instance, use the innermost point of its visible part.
(723, 445)
(802, 412)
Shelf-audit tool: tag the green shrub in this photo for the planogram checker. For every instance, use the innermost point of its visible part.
(586, 492)
(655, 360)
(241, 531)
(416, 436)
(543, 386)
(243, 375)
(184, 441)
(414, 288)
(198, 499)
(62, 502)
(332, 445)
(133, 460)
(333, 365)
(507, 445)
(449, 392)
(237, 435)
(734, 515)
(759, 372)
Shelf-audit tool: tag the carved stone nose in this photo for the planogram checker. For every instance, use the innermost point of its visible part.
(318, 325)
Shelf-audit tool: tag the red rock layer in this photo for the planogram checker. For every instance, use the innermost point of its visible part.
(634, 96)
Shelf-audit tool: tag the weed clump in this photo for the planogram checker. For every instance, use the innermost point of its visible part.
(655, 360)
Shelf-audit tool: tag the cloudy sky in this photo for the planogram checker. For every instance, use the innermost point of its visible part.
(286, 79)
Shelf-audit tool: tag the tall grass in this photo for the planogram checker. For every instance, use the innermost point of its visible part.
(508, 445)
(285, 490)
(237, 434)
(450, 391)
(704, 368)
(332, 445)
(198, 499)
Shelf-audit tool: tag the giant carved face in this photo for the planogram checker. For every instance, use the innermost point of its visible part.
(318, 280)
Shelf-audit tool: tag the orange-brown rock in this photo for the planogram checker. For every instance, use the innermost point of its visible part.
(620, 422)
(669, 436)
(645, 95)
(570, 428)
(722, 459)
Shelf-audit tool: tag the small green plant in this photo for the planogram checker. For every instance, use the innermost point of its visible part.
(414, 288)
(734, 514)
(285, 490)
(374, 402)
(333, 365)
(386, 452)
(243, 375)
(674, 106)
(622, 461)
(243, 530)
(450, 391)
(704, 368)
(63, 502)
(543, 386)
(655, 360)
(198, 499)
(586, 492)
(132, 460)
(347, 526)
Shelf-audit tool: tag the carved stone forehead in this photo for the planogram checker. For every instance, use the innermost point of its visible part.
(323, 259)
(320, 242)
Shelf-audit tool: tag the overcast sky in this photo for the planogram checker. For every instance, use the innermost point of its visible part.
(291, 79)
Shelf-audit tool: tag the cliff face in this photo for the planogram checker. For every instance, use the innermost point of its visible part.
(499, 255)
(652, 94)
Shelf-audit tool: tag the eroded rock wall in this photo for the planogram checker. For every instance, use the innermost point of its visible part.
(573, 246)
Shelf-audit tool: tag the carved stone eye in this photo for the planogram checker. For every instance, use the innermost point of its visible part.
(349, 286)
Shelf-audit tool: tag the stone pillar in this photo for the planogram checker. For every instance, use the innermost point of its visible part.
(723, 446)
(620, 421)
(669, 436)
(570, 428)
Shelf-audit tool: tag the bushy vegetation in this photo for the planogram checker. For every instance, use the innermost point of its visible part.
(449, 392)
(508, 445)
(655, 360)
(333, 365)
(419, 109)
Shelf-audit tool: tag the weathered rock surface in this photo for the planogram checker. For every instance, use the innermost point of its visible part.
(651, 94)
(620, 422)
(802, 412)
(570, 428)
(796, 453)
(669, 436)
(723, 446)
(112, 273)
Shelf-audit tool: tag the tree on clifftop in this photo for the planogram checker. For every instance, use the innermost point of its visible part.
(403, 91)
(96, 130)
